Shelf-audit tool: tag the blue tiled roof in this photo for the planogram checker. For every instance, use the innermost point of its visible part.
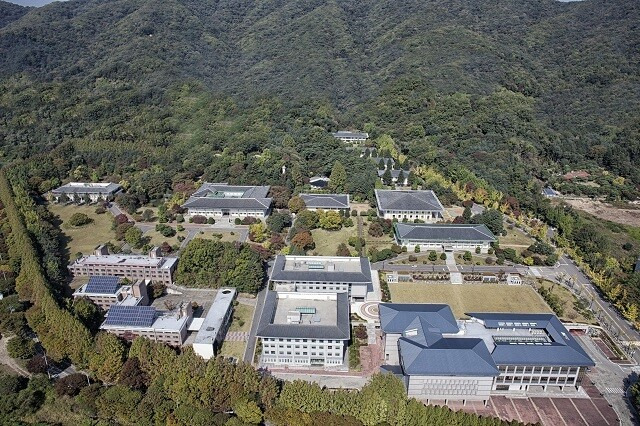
(395, 317)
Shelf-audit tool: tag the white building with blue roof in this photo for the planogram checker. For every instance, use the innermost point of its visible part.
(444, 236)
(440, 358)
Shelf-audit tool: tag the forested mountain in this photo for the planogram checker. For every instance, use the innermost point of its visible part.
(571, 69)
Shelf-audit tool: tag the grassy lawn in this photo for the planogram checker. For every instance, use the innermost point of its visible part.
(83, 239)
(213, 234)
(573, 311)
(471, 297)
(475, 259)
(242, 314)
(157, 238)
(327, 242)
(233, 349)
(517, 239)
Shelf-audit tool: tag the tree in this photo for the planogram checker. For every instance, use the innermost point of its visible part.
(248, 411)
(258, 232)
(79, 219)
(132, 375)
(401, 178)
(280, 195)
(38, 364)
(343, 250)
(108, 358)
(276, 242)
(338, 177)
(467, 256)
(492, 218)
(443, 256)
(133, 237)
(303, 240)
(21, 348)
(375, 229)
(466, 214)
(433, 256)
(329, 220)
(381, 165)
(387, 178)
(147, 215)
(296, 204)
(307, 219)
(71, 385)
(277, 221)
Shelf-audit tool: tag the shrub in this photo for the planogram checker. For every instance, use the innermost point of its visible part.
(249, 220)
(179, 218)
(354, 213)
(180, 228)
(211, 221)
(237, 221)
(360, 332)
(489, 260)
(412, 258)
(100, 210)
(477, 250)
(443, 256)
(433, 256)
(375, 230)
(79, 219)
(343, 250)
(348, 222)
(416, 249)
(165, 230)
(467, 256)
(199, 219)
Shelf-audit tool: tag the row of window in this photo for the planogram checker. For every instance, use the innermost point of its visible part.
(275, 345)
(543, 380)
(303, 353)
(538, 370)
(276, 339)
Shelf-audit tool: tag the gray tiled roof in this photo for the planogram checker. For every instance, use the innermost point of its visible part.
(87, 188)
(443, 232)
(340, 331)
(408, 200)
(563, 351)
(211, 196)
(320, 275)
(347, 134)
(394, 173)
(447, 356)
(637, 267)
(395, 317)
(326, 201)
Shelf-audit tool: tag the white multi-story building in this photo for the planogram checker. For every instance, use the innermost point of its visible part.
(168, 327)
(440, 358)
(444, 237)
(78, 191)
(215, 324)
(407, 204)
(219, 200)
(304, 329)
(107, 290)
(355, 138)
(153, 267)
(322, 274)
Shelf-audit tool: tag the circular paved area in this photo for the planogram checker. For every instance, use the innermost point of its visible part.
(369, 311)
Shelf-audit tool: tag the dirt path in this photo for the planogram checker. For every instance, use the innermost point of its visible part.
(606, 211)
(10, 362)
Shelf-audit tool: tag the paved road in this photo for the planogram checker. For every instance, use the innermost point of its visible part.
(570, 269)
(251, 340)
(609, 378)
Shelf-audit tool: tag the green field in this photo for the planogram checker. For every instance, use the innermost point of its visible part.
(83, 239)
(568, 302)
(327, 242)
(242, 313)
(471, 297)
(156, 238)
(209, 235)
(233, 349)
(516, 239)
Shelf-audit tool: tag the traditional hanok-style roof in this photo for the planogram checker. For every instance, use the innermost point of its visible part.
(443, 232)
(408, 200)
(326, 201)
(87, 188)
(223, 196)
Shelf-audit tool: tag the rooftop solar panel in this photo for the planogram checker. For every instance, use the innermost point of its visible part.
(135, 316)
(103, 284)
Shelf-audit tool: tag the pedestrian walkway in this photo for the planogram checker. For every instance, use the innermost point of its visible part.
(615, 390)
(236, 336)
(454, 274)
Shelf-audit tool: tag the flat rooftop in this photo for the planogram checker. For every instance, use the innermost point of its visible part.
(305, 315)
(492, 336)
(327, 264)
(213, 321)
(312, 311)
(127, 260)
(86, 187)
